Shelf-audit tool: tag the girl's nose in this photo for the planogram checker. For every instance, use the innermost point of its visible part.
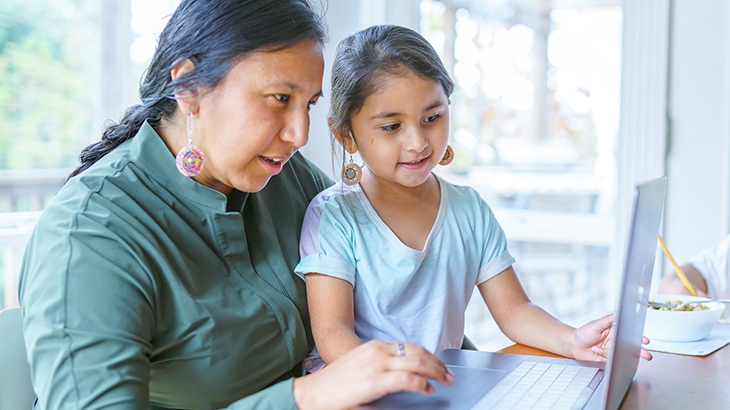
(416, 141)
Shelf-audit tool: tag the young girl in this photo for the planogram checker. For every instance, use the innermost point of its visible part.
(394, 252)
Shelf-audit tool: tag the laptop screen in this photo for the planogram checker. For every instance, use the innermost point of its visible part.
(638, 266)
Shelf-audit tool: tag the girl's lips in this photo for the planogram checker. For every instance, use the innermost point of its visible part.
(274, 166)
(415, 165)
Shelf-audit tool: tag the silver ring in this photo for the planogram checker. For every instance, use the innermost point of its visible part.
(401, 350)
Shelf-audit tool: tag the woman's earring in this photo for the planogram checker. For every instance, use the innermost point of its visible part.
(351, 173)
(190, 159)
(448, 156)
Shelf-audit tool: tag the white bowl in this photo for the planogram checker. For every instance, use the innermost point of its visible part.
(681, 326)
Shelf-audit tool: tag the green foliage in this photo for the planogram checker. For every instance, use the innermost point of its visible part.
(46, 81)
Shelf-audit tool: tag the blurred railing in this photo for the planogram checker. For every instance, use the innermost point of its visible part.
(15, 229)
(29, 190)
(23, 195)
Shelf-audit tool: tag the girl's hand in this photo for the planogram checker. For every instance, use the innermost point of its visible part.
(592, 341)
(369, 372)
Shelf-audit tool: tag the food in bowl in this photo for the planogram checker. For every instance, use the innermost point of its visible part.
(693, 323)
(678, 303)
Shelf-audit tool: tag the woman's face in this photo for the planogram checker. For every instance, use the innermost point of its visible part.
(257, 117)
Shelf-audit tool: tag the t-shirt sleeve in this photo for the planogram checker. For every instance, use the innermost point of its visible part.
(714, 265)
(495, 255)
(324, 246)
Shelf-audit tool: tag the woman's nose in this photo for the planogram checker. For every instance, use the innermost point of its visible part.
(296, 131)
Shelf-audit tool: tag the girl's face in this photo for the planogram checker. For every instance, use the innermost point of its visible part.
(402, 129)
(257, 117)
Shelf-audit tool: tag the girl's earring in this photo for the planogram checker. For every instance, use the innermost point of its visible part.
(351, 173)
(190, 159)
(448, 156)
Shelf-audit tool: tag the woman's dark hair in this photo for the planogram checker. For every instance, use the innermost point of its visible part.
(213, 34)
(363, 58)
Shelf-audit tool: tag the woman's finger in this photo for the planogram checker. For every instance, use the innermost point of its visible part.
(424, 366)
(414, 358)
(370, 371)
(402, 380)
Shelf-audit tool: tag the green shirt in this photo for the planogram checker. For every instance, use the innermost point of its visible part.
(141, 287)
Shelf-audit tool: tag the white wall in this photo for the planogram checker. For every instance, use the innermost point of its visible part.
(640, 148)
(698, 158)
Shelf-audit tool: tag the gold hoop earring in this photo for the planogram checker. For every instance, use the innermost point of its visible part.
(190, 159)
(351, 173)
(448, 156)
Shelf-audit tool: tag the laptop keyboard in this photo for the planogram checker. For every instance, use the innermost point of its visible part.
(540, 386)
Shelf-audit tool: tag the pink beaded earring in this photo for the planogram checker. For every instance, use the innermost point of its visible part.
(190, 159)
(448, 156)
(351, 173)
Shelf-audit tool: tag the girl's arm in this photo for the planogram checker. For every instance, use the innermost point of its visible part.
(526, 323)
(521, 320)
(332, 314)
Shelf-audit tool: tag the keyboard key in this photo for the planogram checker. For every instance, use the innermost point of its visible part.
(540, 386)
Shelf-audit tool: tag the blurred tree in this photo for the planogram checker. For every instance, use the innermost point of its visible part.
(48, 72)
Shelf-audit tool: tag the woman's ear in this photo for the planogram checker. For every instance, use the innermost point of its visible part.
(187, 100)
(343, 136)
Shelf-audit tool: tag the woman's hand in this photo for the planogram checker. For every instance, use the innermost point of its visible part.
(369, 372)
(592, 341)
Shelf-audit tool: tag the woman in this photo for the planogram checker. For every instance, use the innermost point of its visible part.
(161, 274)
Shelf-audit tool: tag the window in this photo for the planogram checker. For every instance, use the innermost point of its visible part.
(65, 67)
(535, 120)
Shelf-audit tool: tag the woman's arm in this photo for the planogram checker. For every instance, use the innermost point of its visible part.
(87, 319)
(331, 311)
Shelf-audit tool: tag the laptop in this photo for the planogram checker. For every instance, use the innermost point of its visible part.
(507, 381)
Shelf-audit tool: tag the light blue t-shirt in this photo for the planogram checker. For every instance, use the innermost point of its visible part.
(400, 293)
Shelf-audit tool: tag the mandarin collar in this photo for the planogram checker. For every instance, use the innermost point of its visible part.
(149, 153)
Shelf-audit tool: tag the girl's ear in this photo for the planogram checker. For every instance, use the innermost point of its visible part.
(343, 136)
(187, 100)
(350, 144)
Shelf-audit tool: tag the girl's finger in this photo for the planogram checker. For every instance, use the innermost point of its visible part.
(601, 353)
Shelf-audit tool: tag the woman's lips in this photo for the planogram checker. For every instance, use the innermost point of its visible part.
(273, 165)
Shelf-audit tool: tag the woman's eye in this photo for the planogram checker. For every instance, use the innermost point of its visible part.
(390, 127)
(433, 118)
(311, 103)
(282, 97)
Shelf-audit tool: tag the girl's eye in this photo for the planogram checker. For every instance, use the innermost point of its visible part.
(311, 103)
(390, 127)
(282, 97)
(433, 118)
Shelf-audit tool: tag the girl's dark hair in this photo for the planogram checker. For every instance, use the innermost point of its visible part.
(361, 60)
(213, 34)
